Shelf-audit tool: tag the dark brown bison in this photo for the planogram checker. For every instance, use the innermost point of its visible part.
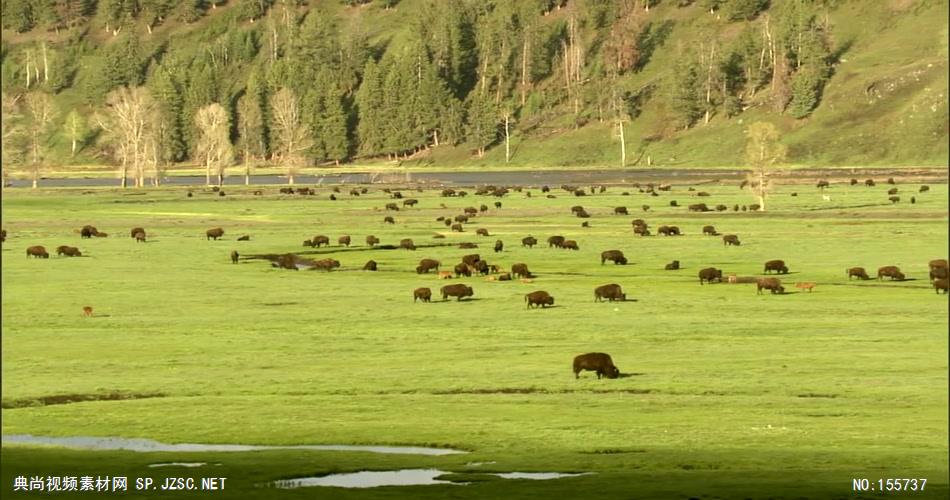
(483, 208)
(597, 362)
(520, 270)
(924, 189)
(461, 218)
(675, 231)
(470, 211)
(615, 256)
(392, 206)
(234, 256)
(326, 264)
(646, 208)
(664, 230)
(641, 230)
(343, 240)
(423, 294)
(858, 272)
(937, 263)
(777, 266)
(672, 266)
(938, 273)
(570, 245)
(710, 231)
(673, 203)
(869, 183)
(88, 231)
(529, 241)
(890, 180)
(135, 230)
(286, 261)
(499, 246)
(319, 240)
(245, 237)
(539, 298)
(611, 292)
(426, 265)
(139, 237)
(822, 184)
(372, 240)
(941, 284)
(468, 244)
(448, 192)
(448, 222)
(482, 232)
(698, 207)
(3, 235)
(730, 239)
(894, 199)
(471, 259)
(459, 291)
(37, 251)
(388, 220)
(286, 190)
(854, 182)
(68, 251)
(555, 241)
(771, 284)
(892, 191)
(892, 272)
(754, 207)
(214, 233)
(370, 265)
(498, 203)
(407, 244)
(482, 267)
(411, 202)
(462, 269)
(709, 274)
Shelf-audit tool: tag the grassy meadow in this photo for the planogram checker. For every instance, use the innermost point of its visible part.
(725, 392)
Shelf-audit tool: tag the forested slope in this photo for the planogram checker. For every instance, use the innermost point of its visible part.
(157, 83)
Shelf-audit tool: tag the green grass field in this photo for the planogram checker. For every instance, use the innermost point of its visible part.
(726, 393)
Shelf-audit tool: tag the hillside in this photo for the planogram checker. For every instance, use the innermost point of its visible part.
(847, 82)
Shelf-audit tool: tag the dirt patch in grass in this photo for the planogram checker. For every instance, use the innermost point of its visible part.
(62, 399)
(612, 451)
(817, 395)
(535, 390)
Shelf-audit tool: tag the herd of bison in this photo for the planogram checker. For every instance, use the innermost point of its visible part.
(474, 264)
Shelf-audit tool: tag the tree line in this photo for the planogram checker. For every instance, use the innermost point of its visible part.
(285, 84)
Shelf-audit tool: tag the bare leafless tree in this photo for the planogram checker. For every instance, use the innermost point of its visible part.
(290, 133)
(763, 152)
(214, 144)
(132, 112)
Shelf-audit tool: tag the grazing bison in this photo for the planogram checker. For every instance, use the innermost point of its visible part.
(463, 270)
(854, 182)
(698, 207)
(615, 256)
(461, 218)
(822, 184)
(388, 220)
(539, 298)
(332, 197)
(555, 241)
(482, 267)
(529, 241)
(674, 203)
(664, 230)
(771, 284)
(611, 292)
(498, 203)
(343, 240)
(423, 294)
(245, 237)
(88, 231)
(326, 264)
(37, 251)
(426, 265)
(892, 272)
(858, 272)
(407, 244)
(576, 208)
(924, 189)
(372, 240)
(448, 222)
(214, 233)
(754, 207)
(135, 230)
(890, 180)
(583, 214)
(869, 183)
(459, 291)
(570, 245)
(370, 265)
(471, 259)
(68, 251)
(709, 274)
(470, 211)
(483, 208)
(807, 285)
(139, 237)
(286, 261)
(894, 199)
(411, 202)
(319, 240)
(234, 256)
(499, 246)
(482, 232)
(777, 266)
(468, 244)
(941, 284)
(520, 270)
(597, 362)
(286, 190)
(645, 208)
(723, 208)
(710, 231)
(937, 263)
(672, 266)
(892, 191)
(730, 239)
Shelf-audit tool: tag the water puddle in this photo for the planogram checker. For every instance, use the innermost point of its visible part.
(540, 476)
(369, 479)
(404, 477)
(148, 445)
